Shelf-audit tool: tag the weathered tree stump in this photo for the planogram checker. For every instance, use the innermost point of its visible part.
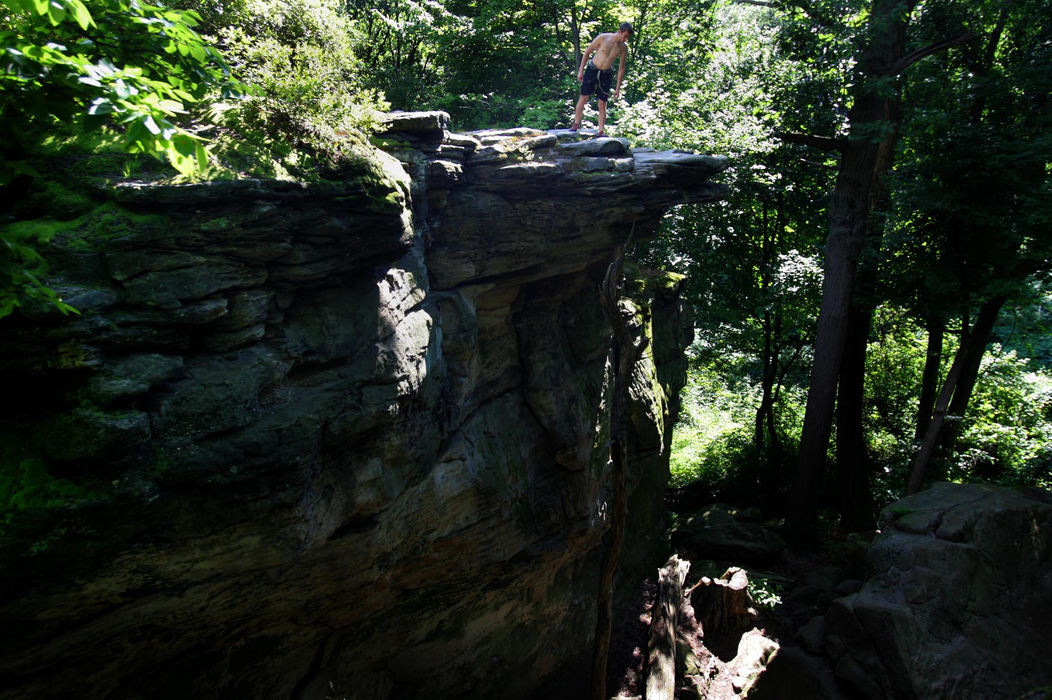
(725, 612)
(661, 660)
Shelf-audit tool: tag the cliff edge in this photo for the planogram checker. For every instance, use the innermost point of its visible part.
(345, 439)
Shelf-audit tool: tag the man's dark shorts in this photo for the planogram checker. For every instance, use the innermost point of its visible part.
(597, 81)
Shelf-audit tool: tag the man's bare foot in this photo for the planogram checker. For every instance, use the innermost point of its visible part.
(575, 127)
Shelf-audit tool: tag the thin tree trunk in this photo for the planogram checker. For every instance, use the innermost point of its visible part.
(930, 378)
(853, 466)
(766, 408)
(970, 352)
(962, 393)
(776, 356)
(763, 412)
(772, 431)
(625, 355)
(575, 36)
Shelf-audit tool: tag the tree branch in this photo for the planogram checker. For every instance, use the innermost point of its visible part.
(911, 58)
(823, 143)
(816, 164)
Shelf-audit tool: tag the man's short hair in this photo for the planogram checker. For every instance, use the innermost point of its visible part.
(627, 27)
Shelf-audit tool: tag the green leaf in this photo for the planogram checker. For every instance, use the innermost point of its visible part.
(170, 106)
(81, 14)
(7, 305)
(184, 144)
(56, 12)
(150, 124)
(182, 154)
(101, 105)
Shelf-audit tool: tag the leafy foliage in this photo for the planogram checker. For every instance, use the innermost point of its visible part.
(955, 235)
(1007, 436)
(309, 105)
(124, 63)
(21, 269)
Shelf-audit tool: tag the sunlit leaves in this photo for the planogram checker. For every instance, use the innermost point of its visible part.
(125, 65)
(20, 283)
(130, 64)
(310, 89)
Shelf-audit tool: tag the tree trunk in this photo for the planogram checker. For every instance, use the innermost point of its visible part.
(724, 603)
(930, 378)
(962, 393)
(724, 609)
(853, 465)
(970, 353)
(661, 656)
(848, 210)
(864, 159)
(625, 355)
(575, 36)
(765, 412)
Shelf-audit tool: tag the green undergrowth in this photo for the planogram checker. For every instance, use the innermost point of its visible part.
(645, 282)
(766, 588)
(713, 438)
(28, 487)
(92, 230)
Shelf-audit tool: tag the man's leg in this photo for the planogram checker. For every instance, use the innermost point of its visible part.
(602, 94)
(579, 110)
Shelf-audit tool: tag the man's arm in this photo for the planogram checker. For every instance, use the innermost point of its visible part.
(585, 55)
(621, 71)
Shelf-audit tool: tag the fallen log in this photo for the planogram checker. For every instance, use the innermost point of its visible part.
(661, 657)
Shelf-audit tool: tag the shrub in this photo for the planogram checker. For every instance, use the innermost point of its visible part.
(308, 106)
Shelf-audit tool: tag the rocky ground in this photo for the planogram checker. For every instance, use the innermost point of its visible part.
(949, 600)
(786, 591)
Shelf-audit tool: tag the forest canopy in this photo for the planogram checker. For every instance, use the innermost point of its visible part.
(872, 299)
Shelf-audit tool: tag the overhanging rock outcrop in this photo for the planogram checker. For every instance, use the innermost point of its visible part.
(345, 439)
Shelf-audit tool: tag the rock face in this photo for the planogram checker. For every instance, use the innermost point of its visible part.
(337, 440)
(959, 602)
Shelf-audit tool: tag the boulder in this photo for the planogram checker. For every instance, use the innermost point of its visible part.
(716, 533)
(958, 601)
(755, 652)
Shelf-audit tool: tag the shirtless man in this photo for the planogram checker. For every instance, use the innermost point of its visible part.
(594, 75)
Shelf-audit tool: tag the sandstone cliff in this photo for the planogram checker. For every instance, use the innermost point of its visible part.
(337, 440)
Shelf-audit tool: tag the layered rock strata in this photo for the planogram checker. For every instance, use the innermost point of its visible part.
(345, 439)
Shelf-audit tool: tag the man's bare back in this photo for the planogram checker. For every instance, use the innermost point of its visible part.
(607, 46)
